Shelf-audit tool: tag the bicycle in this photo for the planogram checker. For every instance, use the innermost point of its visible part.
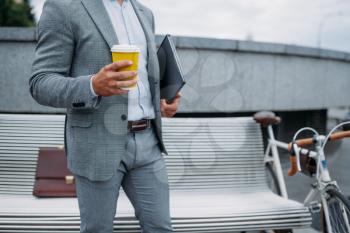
(325, 196)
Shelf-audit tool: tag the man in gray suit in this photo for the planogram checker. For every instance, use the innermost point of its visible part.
(113, 137)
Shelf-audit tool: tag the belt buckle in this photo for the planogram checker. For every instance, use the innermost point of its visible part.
(138, 126)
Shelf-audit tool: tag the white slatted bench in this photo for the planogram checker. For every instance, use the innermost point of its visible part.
(216, 174)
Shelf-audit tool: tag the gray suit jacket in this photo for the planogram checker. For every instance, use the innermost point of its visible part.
(74, 41)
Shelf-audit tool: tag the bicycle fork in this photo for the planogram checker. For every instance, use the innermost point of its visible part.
(311, 201)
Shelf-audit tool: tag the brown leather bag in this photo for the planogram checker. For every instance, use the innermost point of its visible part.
(53, 179)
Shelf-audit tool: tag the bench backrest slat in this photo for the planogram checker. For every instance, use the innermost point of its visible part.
(207, 153)
(204, 153)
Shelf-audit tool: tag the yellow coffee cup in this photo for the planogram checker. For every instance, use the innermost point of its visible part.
(128, 53)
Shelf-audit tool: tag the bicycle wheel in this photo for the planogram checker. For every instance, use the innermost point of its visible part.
(271, 179)
(339, 212)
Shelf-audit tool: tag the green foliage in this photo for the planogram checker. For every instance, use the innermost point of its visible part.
(13, 14)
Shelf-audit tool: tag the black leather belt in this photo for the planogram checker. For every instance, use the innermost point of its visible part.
(141, 125)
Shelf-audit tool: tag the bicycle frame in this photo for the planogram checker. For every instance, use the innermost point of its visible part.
(275, 158)
(323, 179)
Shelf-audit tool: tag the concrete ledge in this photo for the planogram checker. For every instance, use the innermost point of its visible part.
(256, 47)
(205, 43)
(334, 55)
(222, 75)
(302, 51)
(29, 34)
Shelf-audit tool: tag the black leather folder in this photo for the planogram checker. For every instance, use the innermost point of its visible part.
(171, 74)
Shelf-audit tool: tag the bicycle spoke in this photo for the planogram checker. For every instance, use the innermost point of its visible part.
(339, 212)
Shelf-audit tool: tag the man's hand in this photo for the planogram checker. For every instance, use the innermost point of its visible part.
(109, 79)
(170, 109)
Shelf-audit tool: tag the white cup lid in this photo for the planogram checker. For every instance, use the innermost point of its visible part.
(125, 48)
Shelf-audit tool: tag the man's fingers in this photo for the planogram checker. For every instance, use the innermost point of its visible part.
(174, 103)
(177, 100)
(178, 95)
(115, 91)
(121, 75)
(169, 107)
(168, 113)
(121, 84)
(115, 66)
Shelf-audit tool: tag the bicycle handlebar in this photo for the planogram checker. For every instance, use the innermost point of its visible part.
(307, 142)
(293, 166)
(339, 135)
(301, 142)
(311, 141)
(293, 159)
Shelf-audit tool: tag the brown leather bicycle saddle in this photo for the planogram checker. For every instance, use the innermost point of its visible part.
(266, 118)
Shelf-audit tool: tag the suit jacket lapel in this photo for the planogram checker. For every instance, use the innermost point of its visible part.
(99, 15)
(150, 43)
(142, 18)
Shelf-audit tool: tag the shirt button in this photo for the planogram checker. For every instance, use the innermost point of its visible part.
(124, 117)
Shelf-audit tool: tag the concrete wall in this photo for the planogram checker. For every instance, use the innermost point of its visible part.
(222, 75)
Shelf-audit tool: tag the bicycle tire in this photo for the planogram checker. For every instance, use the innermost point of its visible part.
(335, 200)
(272, 179)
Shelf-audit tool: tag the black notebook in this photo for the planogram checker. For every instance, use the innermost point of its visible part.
(171, 74)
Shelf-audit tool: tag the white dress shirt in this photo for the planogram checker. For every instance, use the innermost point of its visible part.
(129, 31)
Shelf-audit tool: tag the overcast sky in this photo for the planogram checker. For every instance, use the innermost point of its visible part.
(301, 22)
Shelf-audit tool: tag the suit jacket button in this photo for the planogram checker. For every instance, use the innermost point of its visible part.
(124, 117)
